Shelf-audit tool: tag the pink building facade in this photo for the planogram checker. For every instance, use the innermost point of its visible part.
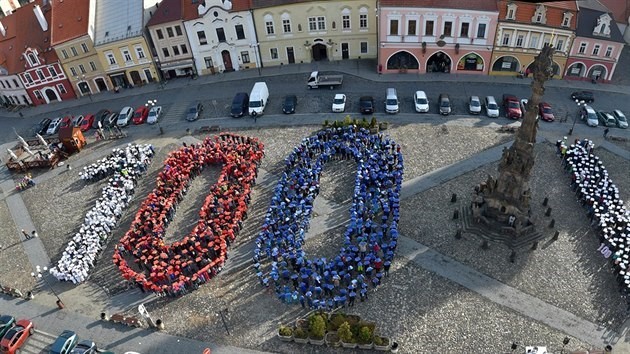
(436, 36)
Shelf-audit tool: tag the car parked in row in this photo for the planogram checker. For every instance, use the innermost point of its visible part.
(474, 105)
(622, 121)
(606, 119)
(492, 108)
(100, 116)
(140, 115)
(17, 335)
(421, 102)
(240, 105)
(194, 111)
(54, 126)
(42, 126)
(366, 104)
(587, 113)
(339, 103)
(391, 101)
(444, 104)
(154, 114)
(66, 341)
(586, 96)
(124, 117)
(110, 120)
(66, 122)
(545, 113)
(6, 323)
(85, 346)
(289, 104)
(87, 122)
(512, 106)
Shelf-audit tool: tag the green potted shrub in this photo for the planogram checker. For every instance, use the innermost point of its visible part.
(285, 333)
(373, 126)
(346, 336)
(335, 321)
(365, 337)
(381, 343)
(300, 335)
(383, 125)
(347, 121)
(326, 123)
(316, 329)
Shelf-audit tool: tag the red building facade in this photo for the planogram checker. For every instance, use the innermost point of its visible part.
(44, 79)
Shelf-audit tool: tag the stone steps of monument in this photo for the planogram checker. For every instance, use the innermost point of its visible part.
(487, 233)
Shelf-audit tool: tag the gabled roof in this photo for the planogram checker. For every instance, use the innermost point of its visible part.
(69, 20)
(167, 11)
(480, 5)
(587, 21)
(191, 12)
(118, 20)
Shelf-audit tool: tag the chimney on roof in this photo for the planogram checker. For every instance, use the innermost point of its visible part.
(40, 17)
(3, 30)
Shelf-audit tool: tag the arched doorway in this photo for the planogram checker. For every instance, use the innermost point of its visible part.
(470, 62)
(439, 62)
(597, 72)
(555, 68)
(320, 51)
(402, 60)
(84, 88)
(100, 83)
(227, 60)
(506, 63)
(51, 95)
(576, 70)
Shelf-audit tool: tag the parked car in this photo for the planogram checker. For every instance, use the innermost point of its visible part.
(85, 346)
(421, 102)
(100, 117)
(366, 104)
(622, 121)
(339, 103)
(110, 120)
(66, 341)
(66, 122)
(140, 115)
(124, 117)
(444, 104)
(586, 96)
(87, 122)
(154, 114)
(240, 105)
(474, 105)
(606, 119)
(53, 127)
(76, 122)
(391, 101)
(512, 106)
(492, 108)
(587, 113)
(289, 104)
(42, 126)
(544, 112)
(6, 323)
(194, 111)
(16, 336)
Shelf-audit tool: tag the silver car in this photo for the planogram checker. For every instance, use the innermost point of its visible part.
(474, 105)
(622, 121)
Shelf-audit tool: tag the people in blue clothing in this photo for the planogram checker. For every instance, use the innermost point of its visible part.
(370, 238)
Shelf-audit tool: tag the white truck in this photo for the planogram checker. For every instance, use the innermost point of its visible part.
(316, 80)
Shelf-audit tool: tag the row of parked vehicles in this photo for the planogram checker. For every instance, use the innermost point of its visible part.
(15, 333)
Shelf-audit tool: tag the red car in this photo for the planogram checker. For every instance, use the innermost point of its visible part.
(544, 112)
(66, 122)
(87, 122)
(15, 338)
(512, 107)
(140, 115)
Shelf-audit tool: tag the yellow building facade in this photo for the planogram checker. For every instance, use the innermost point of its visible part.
(127, 62)
(83, 67)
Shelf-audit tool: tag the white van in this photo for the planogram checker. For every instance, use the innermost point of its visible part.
(391, 101)
(492, 108)
(421, 102)
(258, 99)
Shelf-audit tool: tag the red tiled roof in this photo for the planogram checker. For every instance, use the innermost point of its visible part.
(619, 8)
(241, 5)
(482, 5)
(189, 10)
(566, 5)
(167, 11)
(69, 20)
(526, 10)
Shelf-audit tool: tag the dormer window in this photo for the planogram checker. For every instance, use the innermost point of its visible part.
(511, 11)
(540, 14)
(32, 59)
(603, 26)
(566, 19)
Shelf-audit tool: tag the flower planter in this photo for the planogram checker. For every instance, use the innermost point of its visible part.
(383, 126)
(332, 340)
(385, 345)
(316, 341)
(285, 338)
(348, 345)
(366, 346)
(300, 340)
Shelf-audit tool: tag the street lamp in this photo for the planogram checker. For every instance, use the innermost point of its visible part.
(223, 313)
(150, 104)
(579, 104)
(38, 275)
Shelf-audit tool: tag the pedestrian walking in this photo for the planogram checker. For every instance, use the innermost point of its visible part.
(606, 133)
(26, 235)
(34, 234)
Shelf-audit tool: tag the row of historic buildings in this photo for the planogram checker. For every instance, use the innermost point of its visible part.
(52, 50)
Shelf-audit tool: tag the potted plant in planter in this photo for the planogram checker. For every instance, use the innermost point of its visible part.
(300, 335)
(373, 126)
(345, 335)
(285, 333)
(383, 125)
(365, 337)
(336, 319)
(381, 343)
(332, 339)
(317, 329)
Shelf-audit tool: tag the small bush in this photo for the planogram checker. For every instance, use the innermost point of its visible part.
(317, 326)
(300, 333)
(344, 333)
(286, 331)
(335, 321)
(365, 335)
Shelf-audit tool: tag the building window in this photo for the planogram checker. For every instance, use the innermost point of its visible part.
(312, 23)
(428, 28)
(82, 69)
(169, 31)
(28, 77)
(64, 54)
(32, 58)
(221, 35)
(539, 15)
(393, 27)
(412, 27)
(74, 51)
(269, 28)
(519, 40)
(608, 53)
(566, 19)
(245, 57)
(582, 48)
(208, 62)
(52, 71)
(139, 52)
(364, 47)
(560, 45)
(40, 75)
(510, 14)
(363, 21)
(533, 41)
(184, 49)
(16, 83)
(2, 82)
(73, 71)
(159, 33)
(506, 39)
(202, 37)
(511, 11)
(61, 88)
(111, 58)
(286, 25)
(178, 30)
(38, 94)
(92, 66)
(481, 30)
(345, 22)
(448, 28)
(596, 49)
(274, 53)
(321, 23)
(84, 48)
(240, 32)
(126, 55)
(166, 52)
(175, 50)
(464, 30)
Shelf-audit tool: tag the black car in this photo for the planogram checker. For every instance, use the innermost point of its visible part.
(586, 96)
(194, 111)
(100, 117)
(240, 105)
(289, 103)
(366, 104)
(42, 126)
